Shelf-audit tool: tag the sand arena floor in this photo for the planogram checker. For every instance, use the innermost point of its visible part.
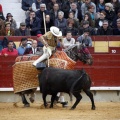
(104, 111)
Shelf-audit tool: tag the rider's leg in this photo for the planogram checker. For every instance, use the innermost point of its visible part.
(47, 53)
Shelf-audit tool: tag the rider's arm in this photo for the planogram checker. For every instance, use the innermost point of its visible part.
(43, 41)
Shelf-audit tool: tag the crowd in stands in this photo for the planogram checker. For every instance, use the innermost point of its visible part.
(73, 17)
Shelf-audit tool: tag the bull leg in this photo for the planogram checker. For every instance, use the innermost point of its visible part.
(44, 99)
(90, 95)
(24, 101)
(53, 99)
(78, 98)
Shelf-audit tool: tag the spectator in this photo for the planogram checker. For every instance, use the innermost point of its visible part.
(33, 23)
(27, 6)
(68, 40)
(77, 12)
(7, 31)
(9, 18)
(22, 31)
(105, 29)
(9, 51)
(116, 5)
(34, 49)
(100, 6)
(93, 15)
(71, 17)
(116, 31)
(2, 24)
(110, 14)
(23, 46)
(84, 7)
(99, 21)
(86, 26)
(54, 11)
(114, 24)
(51, 4)
(87, 17)
(61, 22)
(85, 39)
(39, 13)
(71, 28)
(36, 5)
(49, 23)
(1, 13)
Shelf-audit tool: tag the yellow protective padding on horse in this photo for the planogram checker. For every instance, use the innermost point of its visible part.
(101, 47)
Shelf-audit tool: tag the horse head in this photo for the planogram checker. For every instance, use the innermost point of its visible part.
(79, 52)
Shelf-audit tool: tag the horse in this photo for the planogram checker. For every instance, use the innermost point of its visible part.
(75, 52)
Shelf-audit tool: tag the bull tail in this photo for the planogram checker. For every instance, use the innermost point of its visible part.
(73, 85)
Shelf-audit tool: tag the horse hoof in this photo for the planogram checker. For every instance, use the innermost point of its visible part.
(64, 104)
(93, 108)
(72, 108)
(31, 99)
(26, 105)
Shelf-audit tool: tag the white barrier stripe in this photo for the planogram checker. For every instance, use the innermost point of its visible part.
(92, 88)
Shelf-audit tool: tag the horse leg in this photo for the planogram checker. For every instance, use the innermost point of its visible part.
(78, 98)
(90, 95)
(53, 99)
(24, 101)
(32, 98)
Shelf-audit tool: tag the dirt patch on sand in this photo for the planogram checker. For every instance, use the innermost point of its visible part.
(104, 111)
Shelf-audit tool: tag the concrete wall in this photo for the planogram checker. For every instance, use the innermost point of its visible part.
(102, 96)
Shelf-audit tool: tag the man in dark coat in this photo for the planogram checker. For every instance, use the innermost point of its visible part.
(116, 31)
(33, 23)
(22, 31)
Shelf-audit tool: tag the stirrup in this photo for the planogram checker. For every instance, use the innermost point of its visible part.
(40, 66)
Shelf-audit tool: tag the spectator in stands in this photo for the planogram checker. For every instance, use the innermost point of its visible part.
(99, 21)
(51, 4)
(68, 40)
(110, 13)
(33, 23)
(1, 13)
(105, 29)
(85, 39)
(87, 17)
(22, 31)
(39, 13)
(71, 28)
(54, 11)
(9, 18)
(84, 7)
(77, 12)
(116, 5)
(49, 23)
(34, 49)
(100, 6)
(36, 5)
(86, 26)
(27, 6)
(116, 31)
(71, 17)
(7, 31)
(2, 24)
(61, 22)
(114, 24)
(9, 51)
(23, 46)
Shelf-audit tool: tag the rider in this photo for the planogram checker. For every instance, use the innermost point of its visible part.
(49, 40)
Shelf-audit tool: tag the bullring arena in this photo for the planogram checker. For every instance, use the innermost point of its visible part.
(105, 75)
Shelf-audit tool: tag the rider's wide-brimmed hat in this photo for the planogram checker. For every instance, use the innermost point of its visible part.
(55, 31)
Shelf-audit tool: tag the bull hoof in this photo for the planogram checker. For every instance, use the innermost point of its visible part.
(93, 108)
(26, 105)
(31, 100)
(72, 108)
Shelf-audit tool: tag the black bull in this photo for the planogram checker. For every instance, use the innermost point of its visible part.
(54, 80)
